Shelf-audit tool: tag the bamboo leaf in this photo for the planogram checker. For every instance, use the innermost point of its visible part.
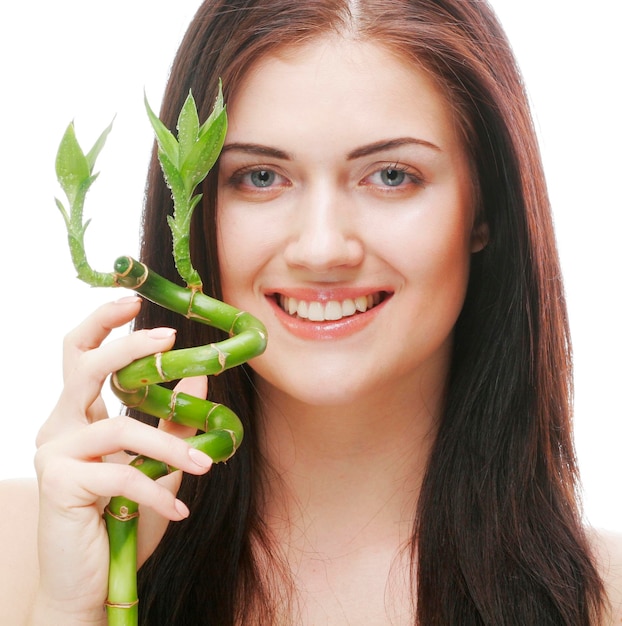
(63, 211)
(85, 185)
(166, 140)
(194, 201)
(91, 157)
(187, 127)
(217, 109)
(205, 152)
(173, 180)
(176, 231)
(72, 167)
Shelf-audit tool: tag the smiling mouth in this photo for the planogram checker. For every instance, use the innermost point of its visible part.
(331, 311)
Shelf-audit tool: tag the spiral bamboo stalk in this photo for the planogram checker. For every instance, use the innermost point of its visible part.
(185, 161)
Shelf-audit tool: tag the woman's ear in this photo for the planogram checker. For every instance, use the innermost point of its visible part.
(479, 236)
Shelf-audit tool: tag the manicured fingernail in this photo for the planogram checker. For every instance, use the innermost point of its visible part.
(182, 509)
(128, 300)
(200, 458)
(161, 333)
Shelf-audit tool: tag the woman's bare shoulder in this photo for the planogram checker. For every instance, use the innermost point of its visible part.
(19, 509)
(607, 546)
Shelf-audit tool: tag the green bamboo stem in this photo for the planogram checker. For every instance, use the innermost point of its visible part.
(185, 161)
(121, 517)
(136, 385)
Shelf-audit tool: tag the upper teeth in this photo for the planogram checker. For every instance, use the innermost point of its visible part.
(328, 311)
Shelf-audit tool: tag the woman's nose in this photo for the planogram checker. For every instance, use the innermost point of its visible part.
(325, 234)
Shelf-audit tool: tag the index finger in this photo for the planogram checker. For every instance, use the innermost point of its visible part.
(96, 328)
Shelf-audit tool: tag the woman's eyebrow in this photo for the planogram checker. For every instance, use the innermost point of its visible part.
(386, 144)
(366, 150)
(257, 149)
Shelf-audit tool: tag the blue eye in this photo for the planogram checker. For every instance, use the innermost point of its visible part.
(258, 182)
(262, 178)
(392, 177)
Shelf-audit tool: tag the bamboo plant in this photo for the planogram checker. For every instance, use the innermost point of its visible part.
(185, 161)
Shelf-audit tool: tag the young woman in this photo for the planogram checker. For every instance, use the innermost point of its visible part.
(408, 456)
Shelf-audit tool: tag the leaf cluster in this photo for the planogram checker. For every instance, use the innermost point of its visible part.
(74, 171)
(186, 160)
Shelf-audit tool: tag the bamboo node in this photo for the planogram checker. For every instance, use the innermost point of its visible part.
(120, 605)
(190, 303)
(172, 405)
(234, 321)
(143, 278)
(117, 385)
(126, 273)
(222, 358)
(190, 313)
(124, 514)
(158, 365)
(206, 426)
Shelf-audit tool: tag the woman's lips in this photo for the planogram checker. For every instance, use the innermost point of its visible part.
(327, 317)
(330, 311)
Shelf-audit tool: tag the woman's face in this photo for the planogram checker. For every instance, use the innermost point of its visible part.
(345, 220)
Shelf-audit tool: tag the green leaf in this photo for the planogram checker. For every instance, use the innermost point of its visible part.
(63, 211)
(194, 201)
(72, 167)
(187, 127)
(217, 109)
(91, 157)
(174, 181)
(205, 152)
(166, 140)
(176, 231)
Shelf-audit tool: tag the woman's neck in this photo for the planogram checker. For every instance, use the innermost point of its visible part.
(339, 475)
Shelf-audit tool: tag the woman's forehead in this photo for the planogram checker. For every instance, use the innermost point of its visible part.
(337, 81)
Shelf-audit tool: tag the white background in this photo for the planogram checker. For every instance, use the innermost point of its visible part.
(71, 59)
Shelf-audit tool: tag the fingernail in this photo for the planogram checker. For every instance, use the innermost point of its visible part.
(161, 333)
(200, 458)
(182, 509)
(128, 300)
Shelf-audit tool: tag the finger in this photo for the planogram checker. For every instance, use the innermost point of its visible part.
(194, 386)
(93, 442)
(84, 385)
(97, 411)
(72, 486)
(106, 480)
(95, 328)
(82, 388)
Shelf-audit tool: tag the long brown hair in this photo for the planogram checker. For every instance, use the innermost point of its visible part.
(498, 536)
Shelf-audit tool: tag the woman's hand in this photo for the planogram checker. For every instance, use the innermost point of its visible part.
(80, 464)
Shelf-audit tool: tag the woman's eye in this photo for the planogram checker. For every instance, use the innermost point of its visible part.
(254, 179)
(393, 176)
(261, 178)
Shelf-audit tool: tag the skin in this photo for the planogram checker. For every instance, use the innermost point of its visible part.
(330, 227)
(305, 211)
(64, 581)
